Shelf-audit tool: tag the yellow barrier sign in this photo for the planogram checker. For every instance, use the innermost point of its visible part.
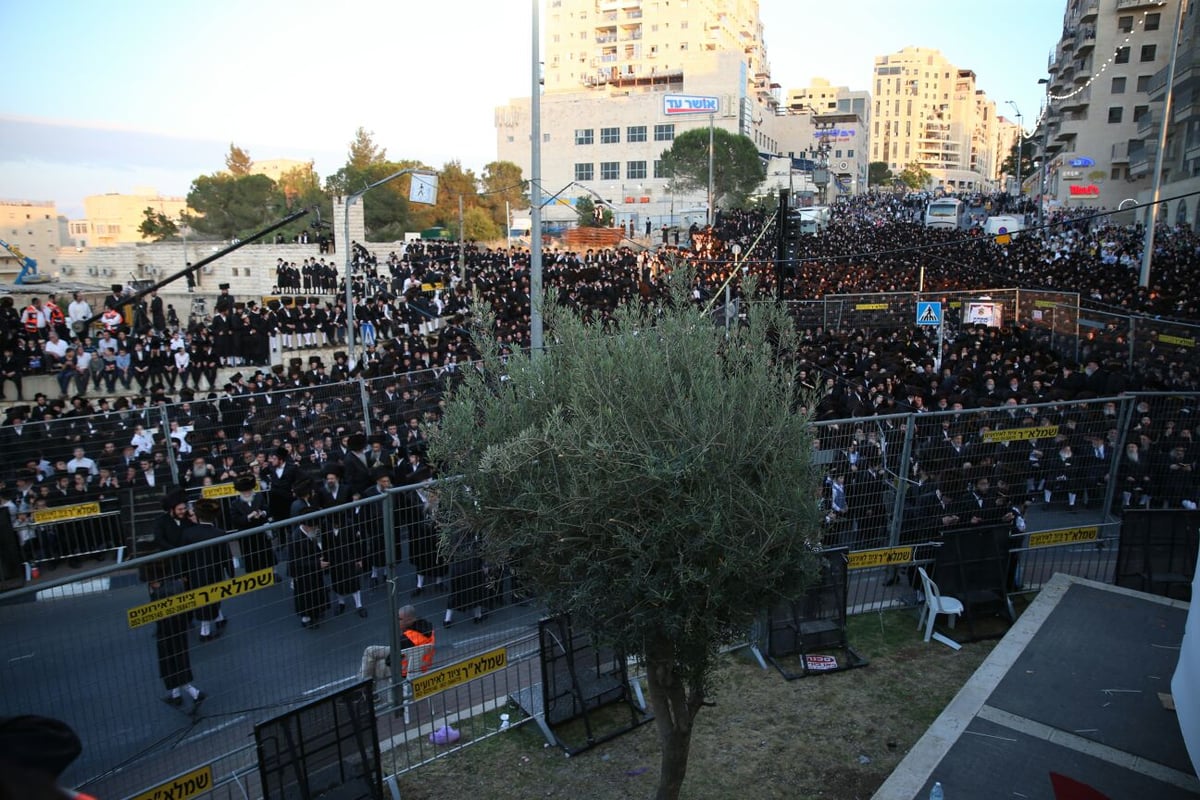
(884, 557)
(1045, 304)
(1021, 434)
(1064, 536)
(871, 307)
(457, 674)
(219, 490)
(64, 513)
(1176, 340)
(203, 596)
(193, 784)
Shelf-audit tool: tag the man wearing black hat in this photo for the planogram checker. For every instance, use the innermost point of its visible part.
(372, 524)
(249, 510)
(225, 300)
(34, 752)
(356, 472)
(281, 476)
(207, 565)
(306, 564)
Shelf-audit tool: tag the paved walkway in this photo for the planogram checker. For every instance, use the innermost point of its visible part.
(1075, 688)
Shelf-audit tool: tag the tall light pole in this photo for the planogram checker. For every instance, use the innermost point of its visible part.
(1020, 144)
(535, 191)
(1148, 245)
(350, 198)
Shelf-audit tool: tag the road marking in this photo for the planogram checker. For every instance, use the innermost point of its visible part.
(216, 728)
(330, 685)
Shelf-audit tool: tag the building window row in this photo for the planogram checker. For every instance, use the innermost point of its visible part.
(634, 133)
(611, 170)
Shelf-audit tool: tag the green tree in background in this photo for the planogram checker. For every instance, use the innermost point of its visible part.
(157, 226)
(238, 161)
(503, 184)
(914, 176)
(478, 226)
(878, 174)
(592, 215)
(737, 169)
(231, 206)
(653, 482)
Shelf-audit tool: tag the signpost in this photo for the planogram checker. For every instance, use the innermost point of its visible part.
(930, 313)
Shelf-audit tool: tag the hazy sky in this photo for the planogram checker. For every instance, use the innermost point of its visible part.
(123, 94)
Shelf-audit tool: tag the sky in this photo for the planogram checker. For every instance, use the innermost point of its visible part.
(126, 95)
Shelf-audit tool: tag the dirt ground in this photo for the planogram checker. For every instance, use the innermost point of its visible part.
(836, 735)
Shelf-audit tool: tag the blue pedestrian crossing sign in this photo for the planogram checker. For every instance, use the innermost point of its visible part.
(929, 313)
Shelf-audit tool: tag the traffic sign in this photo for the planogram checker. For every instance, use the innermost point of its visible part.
(929, 313)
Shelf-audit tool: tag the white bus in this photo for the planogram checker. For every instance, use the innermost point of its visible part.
(946, 212)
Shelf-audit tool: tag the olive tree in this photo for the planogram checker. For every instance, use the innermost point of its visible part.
(651, 478)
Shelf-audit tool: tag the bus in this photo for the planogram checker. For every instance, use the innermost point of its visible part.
(946, 212)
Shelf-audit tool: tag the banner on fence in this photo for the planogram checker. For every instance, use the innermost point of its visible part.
(456, 674)
(64, 513)
(1064, 536)
(203, 596)
(193, 784)
(883, 557)
(1021, 434)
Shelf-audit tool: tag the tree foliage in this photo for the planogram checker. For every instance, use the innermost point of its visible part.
(651, 481)
(363, 151)
(478, 226)
(591, 214)
(1027, 152)
(232, 206)
(914, 176)
(237, 161)
(503, 186)
(737, 168)
(157, 226)
(878, 174)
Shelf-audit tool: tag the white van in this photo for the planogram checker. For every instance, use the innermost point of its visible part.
(1003, 223)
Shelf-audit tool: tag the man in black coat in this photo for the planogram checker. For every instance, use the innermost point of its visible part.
(356, 473)
(207, 565)
(281, 475)
(249, 510)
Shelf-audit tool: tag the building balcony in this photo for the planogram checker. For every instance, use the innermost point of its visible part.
(1067, 72)
(1149, 123)
(1085, 40)
(1076, 100)
(1091, 10)
(1120, 153)
(1124, 5)
(1191, 147)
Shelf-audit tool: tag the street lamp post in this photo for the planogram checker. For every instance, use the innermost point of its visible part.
(1045, 166)
(1020, 145)
(350, 198)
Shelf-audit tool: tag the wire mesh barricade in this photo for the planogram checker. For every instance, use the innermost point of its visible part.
(166, 662)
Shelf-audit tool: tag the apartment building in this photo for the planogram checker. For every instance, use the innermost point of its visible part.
(1099, 136)
(114, 218)
(841, 130)
(610, 67)
(927, 111)
(35, 229)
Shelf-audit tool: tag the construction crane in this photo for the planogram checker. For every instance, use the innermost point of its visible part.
(29, 267)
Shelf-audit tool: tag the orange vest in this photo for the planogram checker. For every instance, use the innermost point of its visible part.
(56, 315)
(112, 319)
(418, 639)
(30, 317)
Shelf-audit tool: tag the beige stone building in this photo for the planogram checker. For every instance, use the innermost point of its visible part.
(929, 112)
(613, 69)
(842, 124)
(1107, 75)
(33, 228)
(111, 219)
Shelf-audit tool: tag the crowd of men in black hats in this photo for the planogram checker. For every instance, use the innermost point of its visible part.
(217, 434)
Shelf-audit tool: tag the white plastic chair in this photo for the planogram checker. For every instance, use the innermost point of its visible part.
(936, 603)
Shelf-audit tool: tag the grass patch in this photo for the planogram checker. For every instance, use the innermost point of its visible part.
(830, 736)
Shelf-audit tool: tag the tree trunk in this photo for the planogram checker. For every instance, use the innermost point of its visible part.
(674, 711)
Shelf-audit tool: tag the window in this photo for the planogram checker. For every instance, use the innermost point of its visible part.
(1118, 86)
(1139, 112)
(584, 136)
(664, 132)
(585, 172)
(1116, 173)
(610, 136)
(660, 169)
(1122, 55)
(635, 133)
(610, 170)
(1151, 23)
(849, 154)
(1114, 114)
(635, 170)
(1148, 52)
(837, 153)
(1143, 83)
(1125, 23)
